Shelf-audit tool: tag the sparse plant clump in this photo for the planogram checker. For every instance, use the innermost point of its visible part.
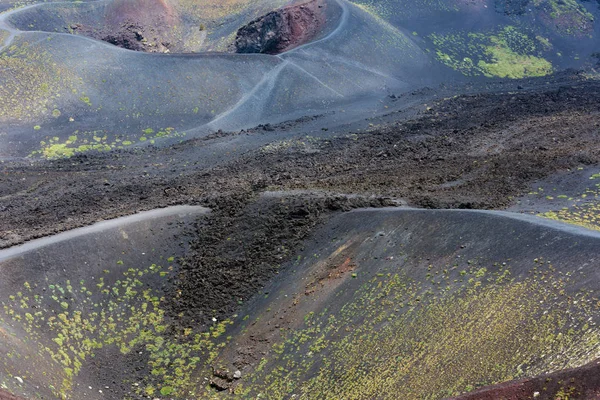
(81, 142)
(121, 314)
(3, 36)
(584, 209)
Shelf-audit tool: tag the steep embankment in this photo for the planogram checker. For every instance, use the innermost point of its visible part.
(421, 304)
(375, 304)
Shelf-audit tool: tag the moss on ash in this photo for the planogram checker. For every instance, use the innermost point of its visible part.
(584, 210)
(508, 53)
(30, 83)
(3, 36)
(466, 327)
(81, 142)
(72, 321)
(567, 17)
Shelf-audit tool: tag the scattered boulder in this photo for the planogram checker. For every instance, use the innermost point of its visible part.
(223, 379)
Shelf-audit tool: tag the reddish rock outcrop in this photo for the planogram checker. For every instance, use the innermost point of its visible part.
(578, 383)
(282, 29)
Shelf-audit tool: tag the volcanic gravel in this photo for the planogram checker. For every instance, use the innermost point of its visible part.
(471, 151)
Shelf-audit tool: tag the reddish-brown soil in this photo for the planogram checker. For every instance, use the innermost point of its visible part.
(282, 29)
(320, 281)
(140, 25)
(572, 384)
(4, 395)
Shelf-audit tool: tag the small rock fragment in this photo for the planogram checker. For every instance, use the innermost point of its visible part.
(219, 383)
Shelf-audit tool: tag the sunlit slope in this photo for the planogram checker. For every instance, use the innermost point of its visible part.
(63, 93)
(379, 304)
(497, 38)
(184, 26)
(75, 87)
(421, 304)
(361, 57)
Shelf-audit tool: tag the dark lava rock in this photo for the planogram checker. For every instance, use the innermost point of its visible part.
(282, 29)
(128, 37)
(219, 384)
(139, 25)
(269, 34)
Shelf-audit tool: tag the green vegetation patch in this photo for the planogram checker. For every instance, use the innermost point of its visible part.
(388, 336)
(465, 327)
(506, 54)
(3, 36)
(72, 321)
(585, 210)
(81, 142)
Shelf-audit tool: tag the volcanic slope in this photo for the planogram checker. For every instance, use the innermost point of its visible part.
(72, 304)
(278, 293)
(75, 85)
(475, 151)
(376, 304)
(64, 94)
(410, 304)
(506, 276)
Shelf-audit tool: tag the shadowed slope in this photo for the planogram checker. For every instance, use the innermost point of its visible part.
(378, 304)
(74, 304)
